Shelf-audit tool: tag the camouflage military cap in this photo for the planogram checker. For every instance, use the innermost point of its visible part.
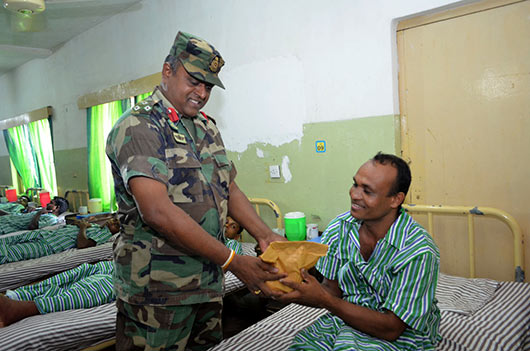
(200, 59)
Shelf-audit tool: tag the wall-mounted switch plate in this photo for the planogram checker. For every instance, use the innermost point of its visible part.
(274, 171)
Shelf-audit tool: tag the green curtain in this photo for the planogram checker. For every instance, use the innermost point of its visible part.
(22, 154)
(41, 136)
(140, 97)
(100, 120)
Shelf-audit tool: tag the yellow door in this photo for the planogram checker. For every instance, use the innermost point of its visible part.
(465, 123)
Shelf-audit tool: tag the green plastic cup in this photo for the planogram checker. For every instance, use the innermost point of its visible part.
(295, 228)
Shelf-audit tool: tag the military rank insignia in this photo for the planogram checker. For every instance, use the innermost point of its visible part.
(179, 138)
(216, 64)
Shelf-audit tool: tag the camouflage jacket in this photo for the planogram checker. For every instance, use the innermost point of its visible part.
(145, 142)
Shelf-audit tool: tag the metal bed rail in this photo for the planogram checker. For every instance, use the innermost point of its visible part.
(272, 205)
(76, 198)
(3, 189)
(471, 212)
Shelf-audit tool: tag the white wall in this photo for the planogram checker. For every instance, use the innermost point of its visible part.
(288, 62)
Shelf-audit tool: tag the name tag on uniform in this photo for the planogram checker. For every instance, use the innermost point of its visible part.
(179, 138)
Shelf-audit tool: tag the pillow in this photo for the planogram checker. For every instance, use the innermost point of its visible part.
(464, 295)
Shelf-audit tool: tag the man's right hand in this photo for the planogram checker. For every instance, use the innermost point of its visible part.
(253, 272)
(82, 224)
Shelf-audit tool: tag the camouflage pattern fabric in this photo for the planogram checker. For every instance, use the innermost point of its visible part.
(199, 58)
(144, 142)
(188, 327)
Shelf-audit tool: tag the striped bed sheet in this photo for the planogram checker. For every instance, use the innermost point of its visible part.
(68, 330)
(72, 330)
(79, 329)
(15, 274)
(502, 324)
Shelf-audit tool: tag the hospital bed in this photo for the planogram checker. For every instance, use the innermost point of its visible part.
(15, 274)
(94, 328)
(76, 198)
(86, 329)
(3, 189)
(477, 313)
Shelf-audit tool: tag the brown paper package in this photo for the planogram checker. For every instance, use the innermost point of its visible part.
(290, 257)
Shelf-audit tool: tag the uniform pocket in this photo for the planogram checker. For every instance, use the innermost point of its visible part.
(223, 167)
(173, 269)
(185, 179)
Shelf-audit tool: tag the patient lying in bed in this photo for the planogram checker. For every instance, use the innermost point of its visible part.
(85, 286)
(14, 207)
(37, 219)
(41, 242)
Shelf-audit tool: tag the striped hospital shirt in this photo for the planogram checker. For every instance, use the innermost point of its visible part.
(11, 207)
(42, 242)
(20, 221)
(400, 276)
(234, 245)
(85, 286)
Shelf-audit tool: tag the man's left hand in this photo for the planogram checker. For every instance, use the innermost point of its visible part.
(309, 292)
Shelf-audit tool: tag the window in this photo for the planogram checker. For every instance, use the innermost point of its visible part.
(30, 150)
(100, 120)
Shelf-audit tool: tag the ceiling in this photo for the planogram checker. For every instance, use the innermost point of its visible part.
(47, 31)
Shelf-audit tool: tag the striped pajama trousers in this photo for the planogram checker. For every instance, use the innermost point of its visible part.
(24, 251)
(86, 286)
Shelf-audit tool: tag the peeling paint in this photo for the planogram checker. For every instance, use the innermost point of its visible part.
(285, 169)
(259, 153)
(255, 117)
(476, 211)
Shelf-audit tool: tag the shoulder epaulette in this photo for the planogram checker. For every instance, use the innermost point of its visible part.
(144, 107)
(208, 118)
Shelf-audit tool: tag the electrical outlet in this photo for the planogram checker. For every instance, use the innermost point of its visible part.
(274, 171)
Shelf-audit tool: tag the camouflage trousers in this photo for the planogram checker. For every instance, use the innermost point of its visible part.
(185, 327)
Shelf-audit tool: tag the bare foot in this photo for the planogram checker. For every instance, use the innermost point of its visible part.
(12, 311)
(5, 311)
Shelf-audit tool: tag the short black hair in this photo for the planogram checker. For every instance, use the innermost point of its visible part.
(25, 197)
(173, 61)
(403, 178)
(62, 203)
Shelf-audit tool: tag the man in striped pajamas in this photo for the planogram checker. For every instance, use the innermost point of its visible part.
(380, 273)
(14, 207)
(29, 221)
(42, 242)
(85, 286)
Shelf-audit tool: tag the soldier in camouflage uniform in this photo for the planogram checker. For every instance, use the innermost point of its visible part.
(175, 186)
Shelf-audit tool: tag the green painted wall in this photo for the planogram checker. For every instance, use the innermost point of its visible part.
(320, 181)
(71, 168)
(5, 171)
